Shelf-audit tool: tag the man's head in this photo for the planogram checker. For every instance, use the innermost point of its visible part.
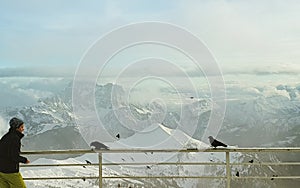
(16, 124)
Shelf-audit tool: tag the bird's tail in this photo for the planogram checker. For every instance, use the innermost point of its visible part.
(224, 145)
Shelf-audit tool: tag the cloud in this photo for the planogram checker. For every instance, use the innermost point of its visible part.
(246, 33)
(243, 35)
(46, 71)
(275, 69)
(26, 91)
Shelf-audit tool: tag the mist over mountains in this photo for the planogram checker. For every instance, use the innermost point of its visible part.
(256, 116)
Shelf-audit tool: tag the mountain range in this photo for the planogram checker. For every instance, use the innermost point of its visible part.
(261, 119)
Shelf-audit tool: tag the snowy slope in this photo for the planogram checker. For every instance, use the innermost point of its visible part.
(172, 139)
(166, 138)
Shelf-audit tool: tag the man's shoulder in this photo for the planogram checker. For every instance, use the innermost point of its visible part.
(5, 136)
(9, 136)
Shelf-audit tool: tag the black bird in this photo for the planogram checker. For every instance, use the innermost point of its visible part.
(83, 179)
(118, 136)
(123, 159)
(98, 145)
(237, 174)
(88, 162)
(148, 167)
(274, 176)
(215, 143)
(251, 161)
(83, 166)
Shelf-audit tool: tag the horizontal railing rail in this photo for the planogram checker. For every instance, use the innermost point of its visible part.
(228, 165)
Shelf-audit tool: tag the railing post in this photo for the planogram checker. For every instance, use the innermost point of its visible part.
(228, 171)
(100, 169)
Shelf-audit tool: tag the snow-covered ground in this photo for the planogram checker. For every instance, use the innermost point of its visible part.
(174, 139)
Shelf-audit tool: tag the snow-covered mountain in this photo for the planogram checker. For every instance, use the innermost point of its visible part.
(173, 139)
(271, 121)
(255, 116)
(169, 138)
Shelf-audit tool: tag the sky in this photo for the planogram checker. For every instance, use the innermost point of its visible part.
(50, 37)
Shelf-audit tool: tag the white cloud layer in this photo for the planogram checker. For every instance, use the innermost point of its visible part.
(245, 36)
